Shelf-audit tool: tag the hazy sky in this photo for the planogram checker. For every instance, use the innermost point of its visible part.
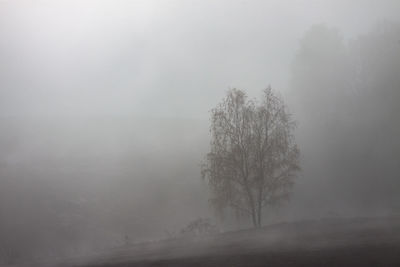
(156, 58)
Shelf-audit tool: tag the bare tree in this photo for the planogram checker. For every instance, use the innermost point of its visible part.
(253, 157)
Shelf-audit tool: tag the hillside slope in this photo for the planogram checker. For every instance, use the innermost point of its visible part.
(327, 242)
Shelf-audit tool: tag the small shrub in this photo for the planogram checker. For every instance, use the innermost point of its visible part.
(199, 227)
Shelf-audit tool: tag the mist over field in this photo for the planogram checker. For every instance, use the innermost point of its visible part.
(105, 114)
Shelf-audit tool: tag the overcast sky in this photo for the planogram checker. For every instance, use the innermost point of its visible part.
(156, 58)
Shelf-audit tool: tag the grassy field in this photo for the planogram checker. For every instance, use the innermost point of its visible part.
(328, 242)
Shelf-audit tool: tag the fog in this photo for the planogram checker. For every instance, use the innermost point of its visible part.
(104, 113)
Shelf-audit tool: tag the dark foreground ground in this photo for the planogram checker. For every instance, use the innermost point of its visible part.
(356, 256)
(328, 242)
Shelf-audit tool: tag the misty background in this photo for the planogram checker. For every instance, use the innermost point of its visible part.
(104, 112)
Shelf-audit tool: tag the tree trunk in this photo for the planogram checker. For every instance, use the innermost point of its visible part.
(254, 218)
(259, 205)
(259, 209)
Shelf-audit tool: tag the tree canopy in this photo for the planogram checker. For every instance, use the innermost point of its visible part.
(253, 158)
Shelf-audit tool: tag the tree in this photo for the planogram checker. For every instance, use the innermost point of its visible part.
(253, 158)
(321, 70)
(346, 95)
